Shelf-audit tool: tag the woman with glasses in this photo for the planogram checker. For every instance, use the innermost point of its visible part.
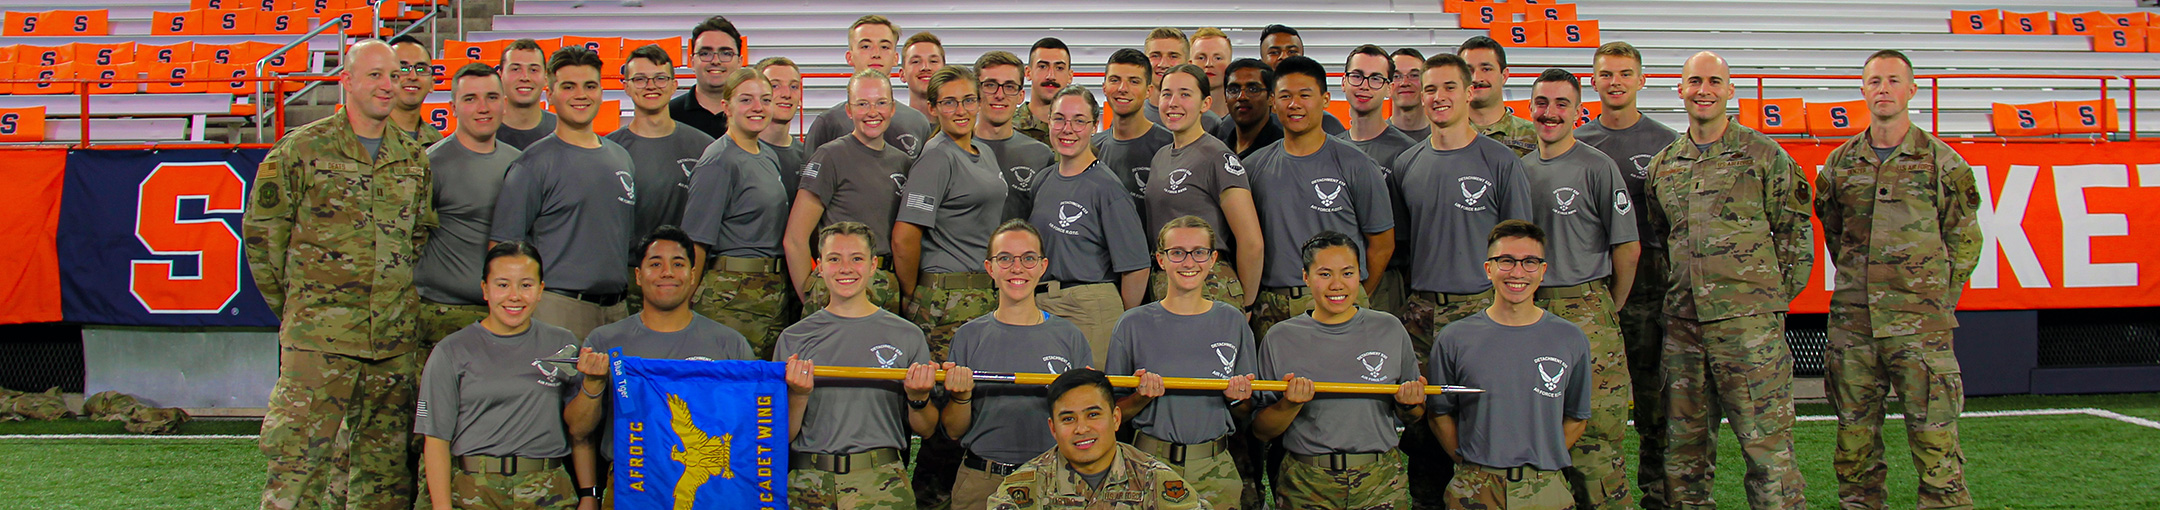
(953, 198)
(1098, 263)
(1187, 334)
(1201, 177)
(1005, 425)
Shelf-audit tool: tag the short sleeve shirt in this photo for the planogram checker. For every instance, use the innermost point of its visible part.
(1193, 180)
(524, 138)
(1372, 347)
(1020, 159)
(958, 198)
(1451, 200)
(1631, 149)
(1585, 209)
(847, 416)
(857, 183)
(661, 168)
(1216, 344)
(738, 203)
(1335, 188)
(1384, 148)
(791, 159)
(483, 393)
(907, 129)
(703, 340)
(1534, 378)
(1089, 228)
(1012, 421)
(1130, 159)
(577, 206)
(466, 184)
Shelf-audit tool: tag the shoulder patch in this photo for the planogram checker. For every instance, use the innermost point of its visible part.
(1021, 496)
(1174, 491)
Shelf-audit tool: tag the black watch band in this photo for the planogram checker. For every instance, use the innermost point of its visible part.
(918, 404)
(589, 492)
(1407, 407)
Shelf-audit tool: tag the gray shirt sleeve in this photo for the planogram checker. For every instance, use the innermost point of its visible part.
(437, 412)
(1515, 193)
(1621, 228)
(926, 187)
(1375, 212)
(517, 206)
(1124, 237)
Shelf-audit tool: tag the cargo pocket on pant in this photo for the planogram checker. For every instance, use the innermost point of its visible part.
(1945, 385)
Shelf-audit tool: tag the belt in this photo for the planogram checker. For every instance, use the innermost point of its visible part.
(1292, 292)
(750, 265)
(1340, 461)
(591, 297)
(1176, 453)
(967, 280)
(1446, 298)
(1513, 474)
(976, 462)
(504, 465)
(841, 464)
(1054, 286)
(1569, 292)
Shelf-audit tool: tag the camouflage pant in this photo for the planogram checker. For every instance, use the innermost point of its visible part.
(1924, 370)
(1215, 478)
(879, 487)
(884, 292)
(1222, 285)
(439, 320)
(1478, 487)
(1281, 303)
(1738, 369)
(1598, 477)
(754, 304)
(1424, 313)
(534, 490)
(338, 432)
(1642, 329)
(1376, 486)
(1394, 293)
(940, 310)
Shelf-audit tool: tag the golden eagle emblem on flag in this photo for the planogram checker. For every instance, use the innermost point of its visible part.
(701, 456)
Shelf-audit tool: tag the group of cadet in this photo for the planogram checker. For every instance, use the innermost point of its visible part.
(1223, 226)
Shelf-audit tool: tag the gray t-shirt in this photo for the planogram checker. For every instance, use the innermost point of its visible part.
(791, 159)
(959, 198)
(907, 129)
(1632, 149)
(1335, 188)
(1460, 195)
(738, 203)
(857, 183)
(1583, 205)
(1022, 159)
(703, 340)
(1372, 347)
(1534, 377)
(1208, 119)
(466, 185)
(522, 138)
(1216, 344)
(661, 168)
(484, 394)
(1423, 134)
(1384, 148)
(373, 146)
(1193, 182)
(1011, 423)
(577, 206)
(854, 415)
(1130, 159)
(1089, 229)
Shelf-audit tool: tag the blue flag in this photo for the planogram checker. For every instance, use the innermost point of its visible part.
(700, 434)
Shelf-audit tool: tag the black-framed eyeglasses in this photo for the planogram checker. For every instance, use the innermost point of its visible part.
(966, 103)
(721, 55)
(1506, 263)
(1010, 88)
(648, 81)
(1026, 260)
(1196, 255)
(1235, 90)
(1362, 80)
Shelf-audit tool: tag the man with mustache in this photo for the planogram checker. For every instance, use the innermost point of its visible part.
(525, 82)
(872, 46)
(1488, 107)
(1167, 47)
(716, 49)
(1049, 68)
(415, 80)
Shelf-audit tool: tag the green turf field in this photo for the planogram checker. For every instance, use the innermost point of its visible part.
(2032, 462)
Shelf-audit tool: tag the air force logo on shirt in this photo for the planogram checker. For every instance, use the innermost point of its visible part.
(629, 187)
(1328, 191)
(1232, 165)
(1022, 177)
(1620, 203)
(688, 165)
(1474, 189)
(1140, 176)
(1642, 165)
(907, 143)
(1551, 370)
(1225, 352)
(1177, 181)
(1375, 366)
(1068, 213)
(1057, 364)
(886, 354)
(1564, 200)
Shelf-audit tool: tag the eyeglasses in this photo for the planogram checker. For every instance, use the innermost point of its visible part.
(965, 103)
(1505, 263)
(413, 69)
(1362, 80)
(1064, 123)
(649, 81)
(722, 55)
(1197, 255)
(1254, 89)
(1401, 76)
(865, 103)
(1026, 260)
(1009, 88)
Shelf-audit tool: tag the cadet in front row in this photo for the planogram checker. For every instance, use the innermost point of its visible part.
(1089, 468)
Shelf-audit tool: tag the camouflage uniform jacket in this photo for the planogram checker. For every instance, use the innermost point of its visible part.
(332, 238)
(1137, 482)
(1025, 123)
(428, 136)
(1512, 131)
(1735, 220)
(1904, 232)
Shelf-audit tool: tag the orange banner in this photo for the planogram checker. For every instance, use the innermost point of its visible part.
(2067, 226)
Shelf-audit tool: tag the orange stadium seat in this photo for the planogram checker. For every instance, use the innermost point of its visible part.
(58, 23)
(2083, 23)
(444, 68)
(1839, 119)
(1455, 6)
(1785, 116)
(104, 54)
(220, 53)
(22, 124)
(230, 71)
(63, 71)
(2036, 119)
(121, 71)
(439, 117)
(294, 60)
(1590, 110)
(673, 45)
(356, 21)
(609, 48)
(165, 54)
(1527, 34)
(1976, 22)
(547, 47)
(2094, 116)
(236, 21)
(292, 22)
(2119, 39)
(489, 52)
(218, 4)
(1552, 12)
(2131, 19)
(44, 55)
(611, 116)
(1572, 34)
(177, 71)
(7, 54)
(2027, 23)
(394, 10)
(176, 23)
(1518, 108)
(1483, 15)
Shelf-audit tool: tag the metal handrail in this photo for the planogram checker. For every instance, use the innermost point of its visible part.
(433, 10)
(260, 65)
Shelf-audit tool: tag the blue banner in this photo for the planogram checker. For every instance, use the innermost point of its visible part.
(700, 434)
(153, 238)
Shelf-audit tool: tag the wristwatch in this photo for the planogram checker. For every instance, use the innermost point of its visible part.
(918, 404)
(590, 492)
(1403, 407)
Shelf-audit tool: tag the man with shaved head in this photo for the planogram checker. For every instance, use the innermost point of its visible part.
(1734, 211)
(339, 423)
